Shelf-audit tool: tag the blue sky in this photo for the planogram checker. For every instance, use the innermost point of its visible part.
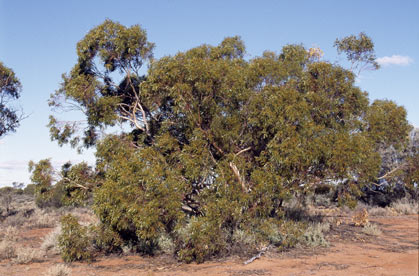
(38, 40)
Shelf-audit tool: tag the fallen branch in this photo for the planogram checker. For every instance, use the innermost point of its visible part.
(263, 251)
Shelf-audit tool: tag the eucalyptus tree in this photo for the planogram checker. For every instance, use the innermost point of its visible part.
(210, 139)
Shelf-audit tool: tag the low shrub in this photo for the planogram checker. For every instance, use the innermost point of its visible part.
(199, 240)
(245, 241)
(290, 234)
(74, 242)
(166, 244)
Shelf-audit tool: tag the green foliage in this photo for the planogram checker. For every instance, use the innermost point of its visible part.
(77, 182)
(359, 51)
(10, 89)
(387, 125)
(104, 82)
(71, 187)
(212, 142)
(74, 242)
(104, 239)
(141, 196)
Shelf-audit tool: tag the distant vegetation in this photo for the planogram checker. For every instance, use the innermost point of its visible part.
(218, 153)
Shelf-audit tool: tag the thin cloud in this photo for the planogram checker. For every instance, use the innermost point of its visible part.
(395, 60)
(13, 165)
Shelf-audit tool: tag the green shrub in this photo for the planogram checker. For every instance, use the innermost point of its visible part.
(199, 240)
(74, 242)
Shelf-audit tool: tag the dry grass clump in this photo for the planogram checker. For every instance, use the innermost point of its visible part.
(25, 255)
(405, 207)
(43, 219)
(371, 229)
(10, 233)
(381, 212)
(400, 207)
(50, 241)
(314, 235)
(7, 250)
(58, 270)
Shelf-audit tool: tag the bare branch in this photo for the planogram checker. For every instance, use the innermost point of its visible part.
(243, 150)
(387, 175)
(238, 176)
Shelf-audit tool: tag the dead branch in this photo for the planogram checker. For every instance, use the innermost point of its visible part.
(238, 176)
(243, 150)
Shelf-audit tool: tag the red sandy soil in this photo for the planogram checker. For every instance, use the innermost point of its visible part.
(351, 252)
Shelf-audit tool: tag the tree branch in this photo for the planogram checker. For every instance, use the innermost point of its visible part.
(238, 176)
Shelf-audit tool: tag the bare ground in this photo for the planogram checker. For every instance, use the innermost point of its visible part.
(351, 252)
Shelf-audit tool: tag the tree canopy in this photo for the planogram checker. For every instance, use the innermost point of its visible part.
(10, 89)
(213, 139)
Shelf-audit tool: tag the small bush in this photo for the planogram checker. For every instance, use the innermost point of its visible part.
(360, 218)
(58, 270)
(371, 229)
(74, 241)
